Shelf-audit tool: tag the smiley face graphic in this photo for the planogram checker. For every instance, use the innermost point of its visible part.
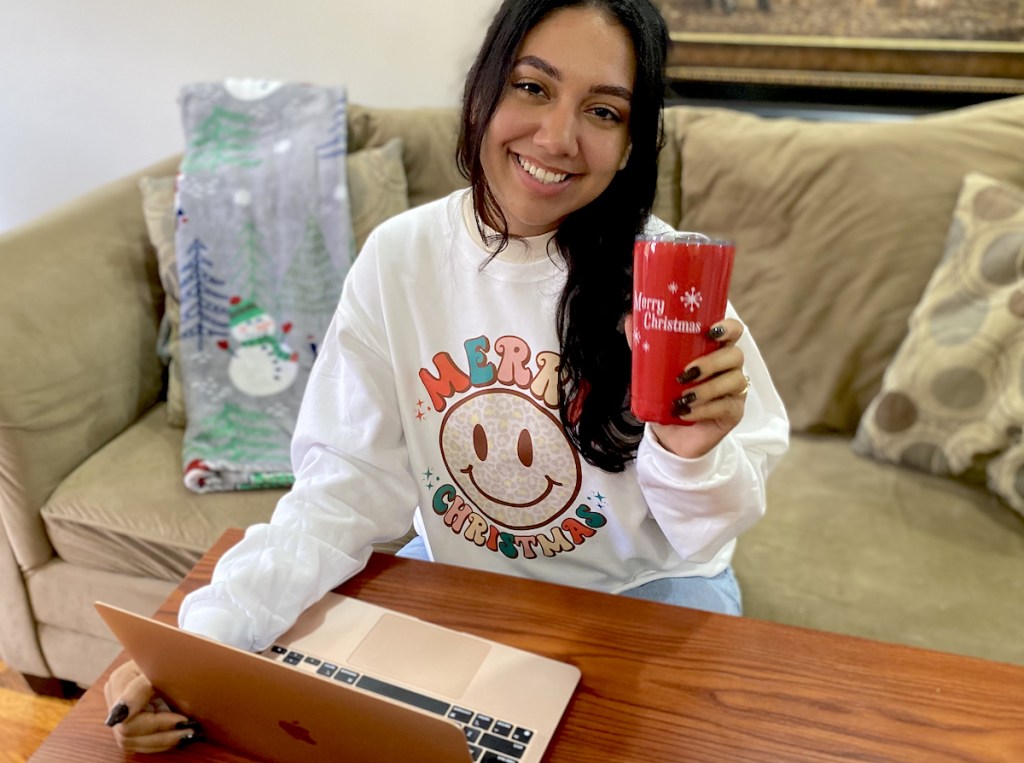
(510, 458)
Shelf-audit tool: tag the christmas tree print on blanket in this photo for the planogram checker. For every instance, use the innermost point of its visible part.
(311, 283)
(223, 138)
(252, 269)
(261, 363)
(204, 307)
(235, 434)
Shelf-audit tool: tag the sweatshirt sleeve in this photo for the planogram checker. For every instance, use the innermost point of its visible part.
(352, 485)
(702, 504)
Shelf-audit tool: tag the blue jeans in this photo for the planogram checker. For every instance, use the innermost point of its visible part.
(718, 594)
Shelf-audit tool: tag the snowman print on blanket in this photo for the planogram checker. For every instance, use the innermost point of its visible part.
(261, 364)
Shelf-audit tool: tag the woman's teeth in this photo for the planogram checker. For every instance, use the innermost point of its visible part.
(541, 174)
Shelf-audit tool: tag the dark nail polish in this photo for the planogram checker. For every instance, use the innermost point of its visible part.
(688, 375)
(117, 714)
(193, 736)
(716, 332)
(679, 408)
(689, 397)
(194, 725)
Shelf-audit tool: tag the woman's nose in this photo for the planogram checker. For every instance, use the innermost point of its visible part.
(558, 132)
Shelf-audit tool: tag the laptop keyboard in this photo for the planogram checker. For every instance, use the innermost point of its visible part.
(490, 740)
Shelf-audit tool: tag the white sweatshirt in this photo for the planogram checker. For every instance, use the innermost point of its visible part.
(436, 388)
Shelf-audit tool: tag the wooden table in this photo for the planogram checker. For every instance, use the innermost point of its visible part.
(664, 683)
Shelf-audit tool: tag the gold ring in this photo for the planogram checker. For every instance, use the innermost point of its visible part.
(746, 387)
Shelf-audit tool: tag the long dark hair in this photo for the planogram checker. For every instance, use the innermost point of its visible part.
(596, 242)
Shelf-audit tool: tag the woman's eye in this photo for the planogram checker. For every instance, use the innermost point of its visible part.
(529, 87)
(606, 114)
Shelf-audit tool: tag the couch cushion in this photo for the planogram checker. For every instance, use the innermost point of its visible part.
(951, 399)
(429, 137)
(838, 228)
(854, 546)
(62, 595)
(127, 510)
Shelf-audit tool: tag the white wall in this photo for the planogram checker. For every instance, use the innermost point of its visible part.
(88, 88)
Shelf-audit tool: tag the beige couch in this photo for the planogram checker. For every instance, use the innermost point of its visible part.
(839, 227)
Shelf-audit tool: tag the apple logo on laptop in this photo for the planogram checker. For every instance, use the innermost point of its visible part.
(296, 731)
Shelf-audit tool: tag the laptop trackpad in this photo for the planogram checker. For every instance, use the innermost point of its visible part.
(419, 654)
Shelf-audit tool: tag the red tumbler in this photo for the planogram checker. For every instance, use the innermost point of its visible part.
(680, 289)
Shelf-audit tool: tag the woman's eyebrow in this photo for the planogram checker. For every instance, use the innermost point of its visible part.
(613, 90)
(541, 65)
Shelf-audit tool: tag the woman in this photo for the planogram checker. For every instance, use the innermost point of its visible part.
(476, 368)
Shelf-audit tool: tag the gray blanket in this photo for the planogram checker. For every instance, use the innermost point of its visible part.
(264, 241)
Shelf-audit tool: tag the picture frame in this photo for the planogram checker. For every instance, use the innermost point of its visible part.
(948, 46)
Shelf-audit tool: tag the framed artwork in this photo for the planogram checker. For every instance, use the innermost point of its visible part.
(972, 46)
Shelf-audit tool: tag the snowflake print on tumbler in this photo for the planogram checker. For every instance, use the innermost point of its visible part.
(691, 299)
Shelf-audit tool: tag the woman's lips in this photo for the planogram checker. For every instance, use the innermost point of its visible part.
(541, 174)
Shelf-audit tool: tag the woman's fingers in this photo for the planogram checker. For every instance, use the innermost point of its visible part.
(146, 724)
(119, 680)
(131, 699)
(719, 382)
(708, 400)
(726, 331)
(712, 371)
(136, 727)
(154, 742)
(724, 409)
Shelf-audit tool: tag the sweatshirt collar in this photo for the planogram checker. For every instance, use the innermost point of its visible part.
(521, 251)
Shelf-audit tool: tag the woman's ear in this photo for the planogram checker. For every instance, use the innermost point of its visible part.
(625, 157)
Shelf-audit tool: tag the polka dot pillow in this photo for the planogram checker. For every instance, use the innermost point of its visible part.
(952, 399)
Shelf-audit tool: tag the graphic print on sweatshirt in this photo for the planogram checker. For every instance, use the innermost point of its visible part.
(511, 479)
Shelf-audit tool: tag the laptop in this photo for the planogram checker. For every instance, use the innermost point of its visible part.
(355, 682)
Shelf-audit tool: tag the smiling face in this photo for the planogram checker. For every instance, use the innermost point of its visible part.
(561, 130)
(510, 458)
(253, 328)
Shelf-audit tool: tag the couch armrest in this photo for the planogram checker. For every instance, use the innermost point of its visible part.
(81, 299)
(19, 645)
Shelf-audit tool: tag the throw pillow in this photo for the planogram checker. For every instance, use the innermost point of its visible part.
(429, 137)
(376, 187)
(158, 210)
(376, 191)
(839, 226)
(952, 397)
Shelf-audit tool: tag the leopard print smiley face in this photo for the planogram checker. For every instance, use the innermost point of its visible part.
(510, 458)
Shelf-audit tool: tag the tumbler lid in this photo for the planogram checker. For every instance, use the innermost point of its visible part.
(683, 237)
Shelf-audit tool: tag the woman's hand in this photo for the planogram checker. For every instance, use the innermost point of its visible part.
(142, 723)
(714, 406)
